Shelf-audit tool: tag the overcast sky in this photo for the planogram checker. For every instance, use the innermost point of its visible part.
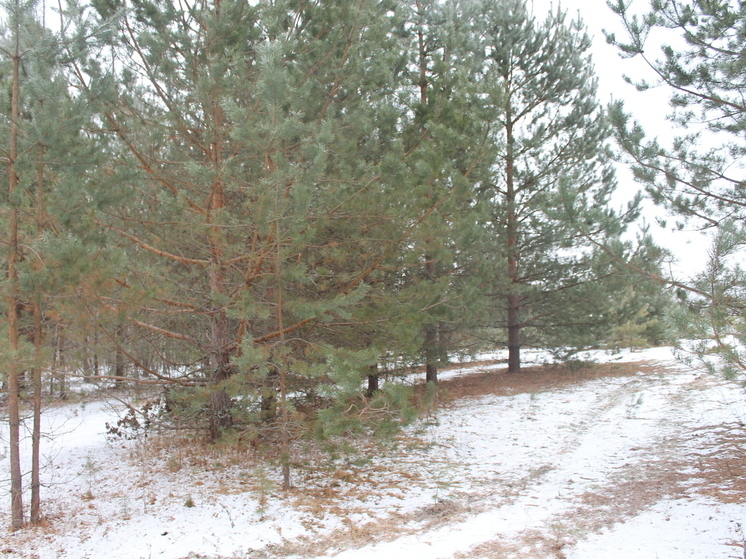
(649, 107)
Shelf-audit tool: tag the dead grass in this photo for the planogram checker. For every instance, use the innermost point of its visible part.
(721, 463)
(714, 467)
(665, 474)
(720, 473)
(544, 378)
(379, 530)
(534, 544)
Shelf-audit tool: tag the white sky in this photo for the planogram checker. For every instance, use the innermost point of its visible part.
(649, 107)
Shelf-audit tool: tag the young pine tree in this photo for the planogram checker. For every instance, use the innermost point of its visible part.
(697, 177)
(260, 145)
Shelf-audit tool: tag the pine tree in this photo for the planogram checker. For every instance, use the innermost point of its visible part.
(446, 147)
(547, 199)
(264, 158)
(698, 177)
(12, 288)
(47, 154)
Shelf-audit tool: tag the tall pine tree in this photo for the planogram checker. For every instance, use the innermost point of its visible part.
(547, 201)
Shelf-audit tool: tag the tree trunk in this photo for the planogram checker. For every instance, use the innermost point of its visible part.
(14, 368)
(59, 362)
(96, 360)
(514, 335)
(36, 430)
(372, 381)
(285, 437)
(119, 370)
(431, 354)
(219, 409)
(268, 410)
(37, 377)
(220, 403)
(513, 299)
(221, 417)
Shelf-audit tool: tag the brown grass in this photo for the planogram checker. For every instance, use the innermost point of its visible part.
(533, 379)
(721, 464)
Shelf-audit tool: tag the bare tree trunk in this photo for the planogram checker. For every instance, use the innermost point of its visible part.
(14, 368)
(431, 336)
(96, 361)
(514, 335)
(221, 417)
(269, 396)
(372, 380)
(431, 354)
(285, 437)
(513, 299)
(59, 362)
(119, 370)
(36, 431)
(37, 378)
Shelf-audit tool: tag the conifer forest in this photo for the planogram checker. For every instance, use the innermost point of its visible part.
(256, 222)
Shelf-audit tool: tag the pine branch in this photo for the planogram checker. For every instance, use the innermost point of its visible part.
(144, 245)
(115, 378)
(655, 277)
(355, 282)
(136, 361)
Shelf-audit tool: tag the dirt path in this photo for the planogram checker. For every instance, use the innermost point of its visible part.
(536, 463)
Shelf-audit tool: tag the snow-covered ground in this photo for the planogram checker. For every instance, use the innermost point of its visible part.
(646, 460)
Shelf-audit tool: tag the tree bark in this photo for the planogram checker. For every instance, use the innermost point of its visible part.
(431, 354)
(36, 376)
(513, 300)
(373, 386)
(59, 362)
(285, 436)
(14, 368)
(268, 407)
(220, 403)
(119, 370)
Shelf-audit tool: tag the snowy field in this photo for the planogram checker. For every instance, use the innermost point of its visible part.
(639, 458)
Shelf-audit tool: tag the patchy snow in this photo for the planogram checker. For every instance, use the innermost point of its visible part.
(648, 462)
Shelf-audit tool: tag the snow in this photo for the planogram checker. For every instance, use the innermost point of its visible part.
(671, 529)
(643, 464)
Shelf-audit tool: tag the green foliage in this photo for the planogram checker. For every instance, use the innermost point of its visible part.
(382, 415)
(710, 316)
(261, 204)
(545, 204)
(698, 177)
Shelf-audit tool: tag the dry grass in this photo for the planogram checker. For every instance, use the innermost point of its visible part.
(721, 464)
(355, 535)
(533, 379)
(717, 469)
(720, 474)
